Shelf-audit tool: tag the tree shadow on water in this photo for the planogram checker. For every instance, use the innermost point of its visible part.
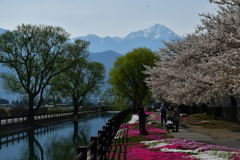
(33, 150)
(56, 147)
(64, 148)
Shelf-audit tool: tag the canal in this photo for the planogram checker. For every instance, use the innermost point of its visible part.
(56, 142)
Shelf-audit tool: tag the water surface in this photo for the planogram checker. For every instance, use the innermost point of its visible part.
(56, 142)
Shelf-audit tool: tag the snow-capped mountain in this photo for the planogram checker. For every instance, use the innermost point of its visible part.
(156, 31)
(152, 37)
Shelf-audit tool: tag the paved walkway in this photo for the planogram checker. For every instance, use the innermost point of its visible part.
(196, 136)
(160, 144)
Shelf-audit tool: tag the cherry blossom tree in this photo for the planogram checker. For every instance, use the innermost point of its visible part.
(204, 66)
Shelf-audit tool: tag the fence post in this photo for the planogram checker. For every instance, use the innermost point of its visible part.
(93, 151)
(109, 136)
(82, 150)
(105, 140)
(100, 145)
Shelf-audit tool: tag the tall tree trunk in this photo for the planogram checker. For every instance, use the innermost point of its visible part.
(75, 111)
(136, 105)
(30, 110)
(76, 139)
(32, 154)
(233, 109)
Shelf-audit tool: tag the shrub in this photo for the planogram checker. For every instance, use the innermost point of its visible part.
(17, 110)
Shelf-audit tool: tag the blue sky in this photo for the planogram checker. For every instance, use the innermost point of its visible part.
(105, 17)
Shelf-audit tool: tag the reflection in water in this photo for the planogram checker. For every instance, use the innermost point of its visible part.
(34, 150)
(60, 149)
(56, 144)
(65, 149)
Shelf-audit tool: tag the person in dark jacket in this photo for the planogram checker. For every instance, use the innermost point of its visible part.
(176, 117)
(142, 120)
(163, 112)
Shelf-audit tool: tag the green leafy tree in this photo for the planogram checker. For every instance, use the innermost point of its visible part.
(33, 53)
(127, 77)
(81, 80)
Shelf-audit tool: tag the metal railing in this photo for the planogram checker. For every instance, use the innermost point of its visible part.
(22, 135)
(19, 118)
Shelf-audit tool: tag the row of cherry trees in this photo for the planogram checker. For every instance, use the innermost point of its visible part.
(204, 66)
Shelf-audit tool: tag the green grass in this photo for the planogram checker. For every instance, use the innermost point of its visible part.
(127, 119)
(135, 139)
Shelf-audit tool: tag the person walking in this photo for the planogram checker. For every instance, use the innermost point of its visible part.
(163, 112)
(142, 120)
(176, 117)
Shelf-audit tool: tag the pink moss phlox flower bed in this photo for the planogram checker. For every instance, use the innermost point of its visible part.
(151, 132)
(236, 156)
(184, 144)
(155, 146)
(133, 132)
(188, 144)
(156, 137)
(148, 113)
(137, 152)
(156, 130)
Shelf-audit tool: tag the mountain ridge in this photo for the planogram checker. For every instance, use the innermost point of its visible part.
(152, 37)
(107, 58)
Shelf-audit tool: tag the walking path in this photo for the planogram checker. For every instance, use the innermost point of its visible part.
(200, 137)
(161, 144)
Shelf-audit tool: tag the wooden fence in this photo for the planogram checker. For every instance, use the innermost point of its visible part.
(100, 145)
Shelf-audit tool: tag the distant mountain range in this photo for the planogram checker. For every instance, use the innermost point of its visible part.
(152, 37)
(107, 49)
(107, 58)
